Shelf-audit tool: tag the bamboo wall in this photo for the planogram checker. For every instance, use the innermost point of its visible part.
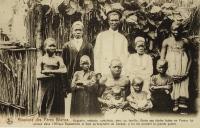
(18, 82)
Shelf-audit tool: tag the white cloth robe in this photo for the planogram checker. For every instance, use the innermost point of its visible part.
(109, 45)
(134, 61)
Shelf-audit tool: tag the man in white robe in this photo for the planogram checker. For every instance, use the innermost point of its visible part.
(110, 45)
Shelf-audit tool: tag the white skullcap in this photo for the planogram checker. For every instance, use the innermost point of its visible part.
(114, 12)
(77, 23)
(139, 39)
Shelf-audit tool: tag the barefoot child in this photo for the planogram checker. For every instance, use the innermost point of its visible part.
(161, 87)
(47, 70)
(138, 99)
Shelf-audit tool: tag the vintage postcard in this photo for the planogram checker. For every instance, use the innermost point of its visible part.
(99, 63)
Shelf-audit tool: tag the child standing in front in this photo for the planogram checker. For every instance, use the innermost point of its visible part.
(47, 70)
(84, 97)
(138, 99)
(140, 64)
(161, 87)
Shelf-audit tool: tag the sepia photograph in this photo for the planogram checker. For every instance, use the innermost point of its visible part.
(99, 63)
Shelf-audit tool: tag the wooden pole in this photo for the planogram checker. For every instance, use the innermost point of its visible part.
(38, 37)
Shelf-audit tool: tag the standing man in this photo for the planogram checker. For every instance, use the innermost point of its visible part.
(74, 50)
(110, 45)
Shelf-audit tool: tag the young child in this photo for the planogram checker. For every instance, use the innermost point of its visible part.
(47, 70)
(116, 99)
(161, 87)
(138, 99)
(176, 50)
(140, 64)
(84, 96)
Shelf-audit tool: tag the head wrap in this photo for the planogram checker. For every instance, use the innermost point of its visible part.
(77, 23)
(139, 39)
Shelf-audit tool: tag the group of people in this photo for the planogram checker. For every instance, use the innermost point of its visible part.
(106, 80)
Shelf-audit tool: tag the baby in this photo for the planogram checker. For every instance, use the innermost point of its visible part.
(115, 99)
